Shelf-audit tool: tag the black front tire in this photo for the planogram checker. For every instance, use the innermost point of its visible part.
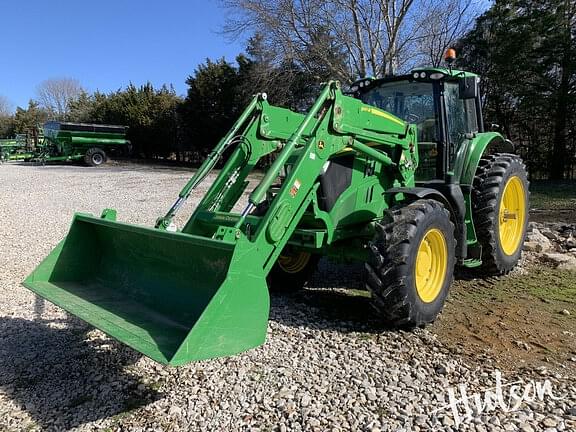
(95, 157)
(391, 272)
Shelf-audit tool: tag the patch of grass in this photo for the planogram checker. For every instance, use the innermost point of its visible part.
(366, 336)
(131, 406)
(117, 418)
(516, 317)
(548, 194)
(550, 284)
(543, 283)
(477, 289)
(157, 385)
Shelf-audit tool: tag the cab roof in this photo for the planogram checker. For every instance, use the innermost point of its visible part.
(424, 74)
(451, 73)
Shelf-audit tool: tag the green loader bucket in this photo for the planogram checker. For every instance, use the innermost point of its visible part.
(173, 297)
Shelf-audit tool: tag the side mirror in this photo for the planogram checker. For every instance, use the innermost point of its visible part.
(468, 87)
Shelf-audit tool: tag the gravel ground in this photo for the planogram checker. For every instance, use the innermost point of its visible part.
(327, 365)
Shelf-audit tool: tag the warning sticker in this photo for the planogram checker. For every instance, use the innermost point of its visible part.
(295, 187)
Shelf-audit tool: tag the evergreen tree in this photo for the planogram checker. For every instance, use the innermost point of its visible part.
(215, 99)
(26, 119)
(525, 49)
(149, 113)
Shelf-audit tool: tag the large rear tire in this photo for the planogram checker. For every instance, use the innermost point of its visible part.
(500, 200)
(412, 265)
(95, 157)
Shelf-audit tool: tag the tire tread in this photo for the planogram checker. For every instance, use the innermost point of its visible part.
(388, 270)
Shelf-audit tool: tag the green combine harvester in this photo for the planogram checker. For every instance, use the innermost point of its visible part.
(398, 174)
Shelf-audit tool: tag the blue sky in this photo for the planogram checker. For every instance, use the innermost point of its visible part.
(106, 44)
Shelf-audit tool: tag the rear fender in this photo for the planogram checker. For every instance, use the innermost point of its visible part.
(467, 160)
(472, 151)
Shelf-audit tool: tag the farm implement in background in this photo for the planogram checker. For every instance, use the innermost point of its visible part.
(22, 147)
(91, 143)
(65, 141)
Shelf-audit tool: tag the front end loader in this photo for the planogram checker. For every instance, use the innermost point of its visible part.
(398, 174)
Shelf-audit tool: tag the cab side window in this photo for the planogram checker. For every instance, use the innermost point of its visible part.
(461, 115)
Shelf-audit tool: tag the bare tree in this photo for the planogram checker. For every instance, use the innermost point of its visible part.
(5, 107)
(442, 24)
(379, 37)
(6, 116)
(372, 32)
(289, 30)
(55, 95)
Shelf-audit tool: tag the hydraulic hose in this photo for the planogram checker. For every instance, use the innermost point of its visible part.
(210, 162)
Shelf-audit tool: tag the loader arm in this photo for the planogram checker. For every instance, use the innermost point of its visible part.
(335, 124)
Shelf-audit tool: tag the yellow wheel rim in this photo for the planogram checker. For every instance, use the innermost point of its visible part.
(431, 265)
(512, 215)
(294, 263)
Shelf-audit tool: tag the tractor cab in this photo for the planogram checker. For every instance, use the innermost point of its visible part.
(443, 103)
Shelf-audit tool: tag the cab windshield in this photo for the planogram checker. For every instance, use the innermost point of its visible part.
(411, 101)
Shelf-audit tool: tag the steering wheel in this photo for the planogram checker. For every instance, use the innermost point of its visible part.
(412, 118)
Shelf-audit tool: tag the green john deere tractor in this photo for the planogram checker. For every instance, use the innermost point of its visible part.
(398, 174)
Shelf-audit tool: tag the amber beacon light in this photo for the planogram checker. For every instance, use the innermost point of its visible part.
(450, 55)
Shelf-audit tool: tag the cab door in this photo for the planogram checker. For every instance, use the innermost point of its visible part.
(461, 119)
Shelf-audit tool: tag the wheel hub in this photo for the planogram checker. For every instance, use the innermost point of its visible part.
(431, 265)
(97, 158)
(512, 215)
(294, 263)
